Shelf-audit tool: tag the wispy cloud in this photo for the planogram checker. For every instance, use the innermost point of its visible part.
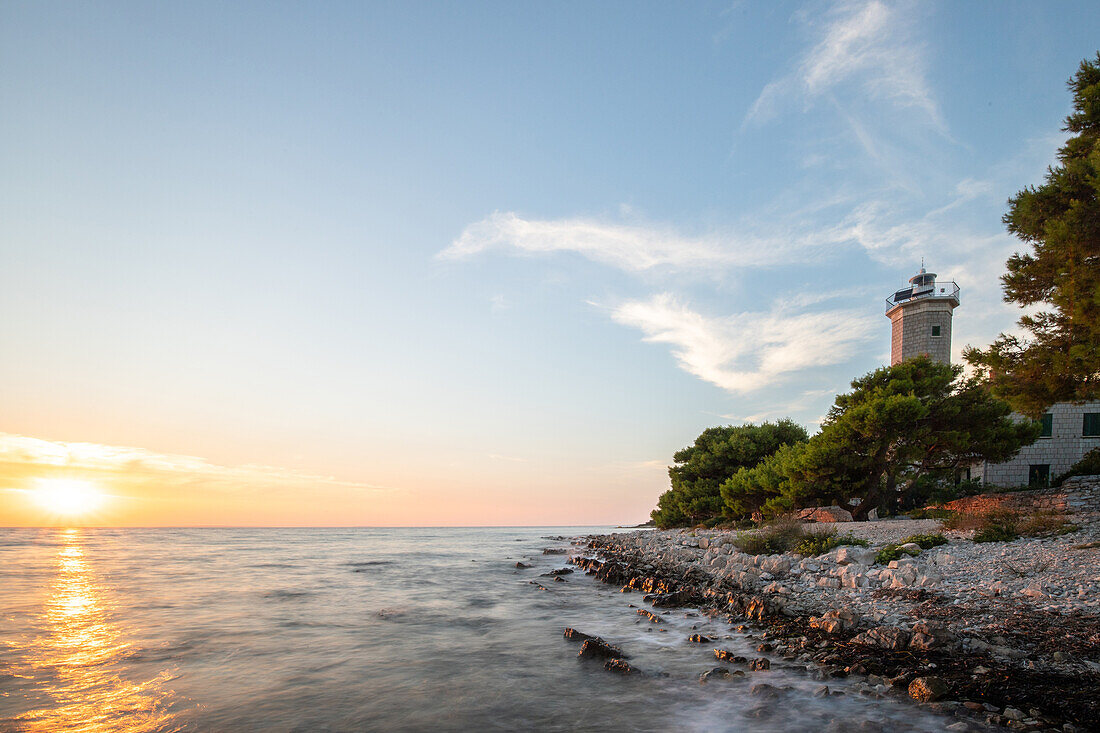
(864, 43)
(747, 351)
(637, 247)
(23, 457)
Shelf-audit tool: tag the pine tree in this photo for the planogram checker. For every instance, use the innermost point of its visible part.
(1060, 360)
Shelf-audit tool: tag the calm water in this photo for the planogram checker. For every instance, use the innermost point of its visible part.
(355, 629)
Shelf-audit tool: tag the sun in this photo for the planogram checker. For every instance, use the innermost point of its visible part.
(68, 497)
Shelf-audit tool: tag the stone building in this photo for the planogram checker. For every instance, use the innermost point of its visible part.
(920, 317)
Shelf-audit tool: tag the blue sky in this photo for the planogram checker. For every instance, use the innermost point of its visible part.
(494, 260)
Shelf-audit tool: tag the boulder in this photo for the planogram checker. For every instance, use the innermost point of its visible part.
(928, 689)
(849, 554)
(522, 565)
(910, 547)
(700, 639)
(825, 514)
(760, 664)
(835, 621)
(574, 635)
(725, 655)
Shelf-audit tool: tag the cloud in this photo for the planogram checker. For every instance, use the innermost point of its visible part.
(865, 43)
(748, 351)
(23, 457)
(635, 247)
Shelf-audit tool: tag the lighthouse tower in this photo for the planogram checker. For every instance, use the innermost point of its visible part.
(920, 318)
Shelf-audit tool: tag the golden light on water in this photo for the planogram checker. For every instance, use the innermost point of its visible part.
(67, 497)
(75, 658)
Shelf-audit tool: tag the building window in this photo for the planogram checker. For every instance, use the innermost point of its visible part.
(1091, 427)
(935, 330)
(1038, 474)
(1048, 425)
(961, 475)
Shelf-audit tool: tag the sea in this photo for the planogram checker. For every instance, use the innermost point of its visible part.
(425, 629)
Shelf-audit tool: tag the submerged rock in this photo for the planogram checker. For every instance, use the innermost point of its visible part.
(650, 615)
(574, 635)
(600, 649)
(619, 666)
(760, 664)
(700, 639)
(522, 565)
(559, 571)
(725, 655)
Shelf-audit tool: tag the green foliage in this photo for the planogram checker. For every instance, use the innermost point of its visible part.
(897, 424)
(926, 541)
(767, 486)
(891, 552)
(818, 542)
(774, 538)
(1089, 465)
(717, 454)
(1060, 221)
(996, 533)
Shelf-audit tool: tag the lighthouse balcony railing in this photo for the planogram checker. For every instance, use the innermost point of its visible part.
(946, 290)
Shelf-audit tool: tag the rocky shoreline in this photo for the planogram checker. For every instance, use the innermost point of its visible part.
(1004, 634)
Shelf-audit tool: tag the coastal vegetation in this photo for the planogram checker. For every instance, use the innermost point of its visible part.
(897, 437)
(718, 453)
(1060, 221)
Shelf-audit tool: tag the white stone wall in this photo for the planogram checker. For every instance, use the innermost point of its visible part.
(1065, 447)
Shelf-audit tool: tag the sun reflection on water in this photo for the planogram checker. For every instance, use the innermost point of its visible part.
(75, 658)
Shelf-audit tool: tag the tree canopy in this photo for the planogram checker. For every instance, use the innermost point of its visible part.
(898, 423)
(717, 454)
(1060, 219)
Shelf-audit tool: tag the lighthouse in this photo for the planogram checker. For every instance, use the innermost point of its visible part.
(920, 318)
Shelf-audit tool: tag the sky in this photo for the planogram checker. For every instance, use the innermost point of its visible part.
(479, 263)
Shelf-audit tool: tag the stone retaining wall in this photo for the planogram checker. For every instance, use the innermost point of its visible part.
(1077, 494)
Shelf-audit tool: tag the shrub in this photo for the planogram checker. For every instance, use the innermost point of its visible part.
(1089, 465)
(818, 542)
(998, 526)
(891, 552)
(775, 537)
(1045, 524)
(926, 541)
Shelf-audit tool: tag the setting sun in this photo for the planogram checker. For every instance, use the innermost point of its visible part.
(69, 497)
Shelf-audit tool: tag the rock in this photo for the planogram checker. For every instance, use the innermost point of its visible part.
(825, 514)
(763, 689)
(650, 615)
(858, 555)
(927, 689)
(700, 639)
(911, 548)
(1013, 714)
(828, 582)
(884, 637)
(760, 664)
(716, 672)
(619, 666)
(822, 691)
(574, 635)
(522, 565)
(559, 571)
(560, 580)
(599, 649)
(554, 551)
(835, 621)
(725, 655)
